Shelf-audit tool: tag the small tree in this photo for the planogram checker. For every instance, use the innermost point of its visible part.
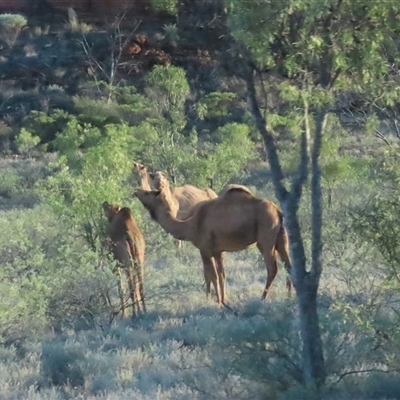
(11, 26)
(26, 142)
(317, 48)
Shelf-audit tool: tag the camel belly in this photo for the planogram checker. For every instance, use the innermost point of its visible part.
(231, 241)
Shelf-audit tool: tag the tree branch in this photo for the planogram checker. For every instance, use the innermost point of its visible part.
(363, 371)
(316, 194)
(303, 169)
(277, 174)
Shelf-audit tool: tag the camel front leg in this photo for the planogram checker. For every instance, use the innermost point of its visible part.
(207, 277)
(282, 247)
(219, 259)
(211, 275)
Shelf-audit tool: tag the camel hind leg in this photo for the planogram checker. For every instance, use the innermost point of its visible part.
(282, 247)
(270, 263)
(219, 259)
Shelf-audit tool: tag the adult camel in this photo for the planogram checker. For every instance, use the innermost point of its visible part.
(231, 222)
(127, 245)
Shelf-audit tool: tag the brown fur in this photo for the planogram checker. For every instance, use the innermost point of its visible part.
(144, 180)
(231, 222)
(127, 246)
(181, 198)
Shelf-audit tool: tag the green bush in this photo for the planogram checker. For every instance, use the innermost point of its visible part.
(169, 6)
(11, 26)
(25, 142)
(376, 220)
(9, 182)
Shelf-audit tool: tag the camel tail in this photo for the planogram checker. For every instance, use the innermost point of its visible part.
(282, 247)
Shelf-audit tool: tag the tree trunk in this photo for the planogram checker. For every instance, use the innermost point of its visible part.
(305, 283)
(313, 360)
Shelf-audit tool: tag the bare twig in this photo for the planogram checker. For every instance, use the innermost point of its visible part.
(116, 41)
(363, 371)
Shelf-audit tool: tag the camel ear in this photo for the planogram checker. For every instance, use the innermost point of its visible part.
(157, 192)
(138, 165)
(105, 205)
(151, 175)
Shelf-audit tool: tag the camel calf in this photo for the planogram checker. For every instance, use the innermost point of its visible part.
(127, 246)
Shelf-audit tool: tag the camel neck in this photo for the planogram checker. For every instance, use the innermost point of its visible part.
(169, 198)
(180, 230)
(144, 178)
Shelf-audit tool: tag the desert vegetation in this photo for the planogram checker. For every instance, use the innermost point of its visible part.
(298, 101)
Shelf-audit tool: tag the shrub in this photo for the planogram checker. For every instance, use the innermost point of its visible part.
(9, 182)
(169, 6)
(60, 365)
(26, 142)
(11, 26)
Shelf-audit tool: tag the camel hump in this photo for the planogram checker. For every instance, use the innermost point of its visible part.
(234, 188)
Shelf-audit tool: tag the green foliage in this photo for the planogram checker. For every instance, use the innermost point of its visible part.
(337, 164)
(309, 32)
(11, 26)
(169, 6)
(159, 141)
(9, 182)
(25, 141)
(167, 91)
(77, 190)
(233, 151)
(23, 306)
(214, 105)
(377, 219)
(45, 126)
(49, 277)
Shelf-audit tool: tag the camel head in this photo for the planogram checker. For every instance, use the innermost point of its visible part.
(110, 210)
(138, 167)
(152, 200)
(160, 180)
(142, 175)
